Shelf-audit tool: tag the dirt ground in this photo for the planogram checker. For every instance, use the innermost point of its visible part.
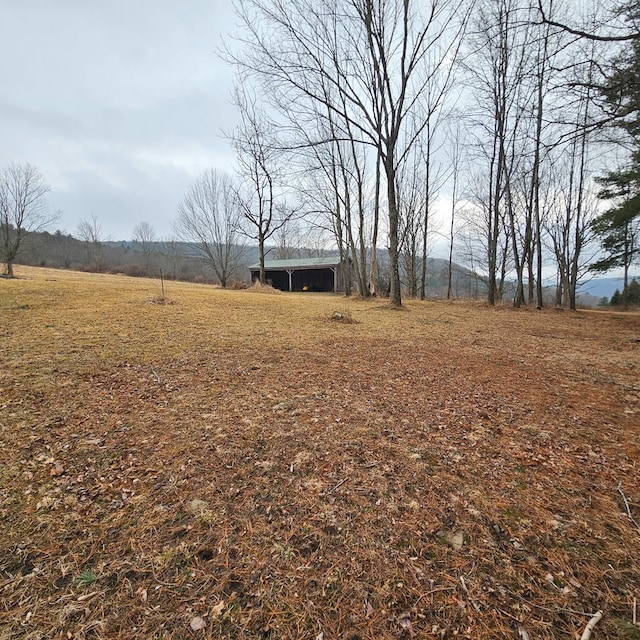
(237, 464)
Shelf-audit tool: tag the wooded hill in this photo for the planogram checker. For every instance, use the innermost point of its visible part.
(181, 261)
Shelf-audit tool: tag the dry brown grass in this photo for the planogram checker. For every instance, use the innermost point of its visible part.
(258, 287)
(237, 460)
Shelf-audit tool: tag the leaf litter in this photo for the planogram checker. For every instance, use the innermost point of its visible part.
(232, 461)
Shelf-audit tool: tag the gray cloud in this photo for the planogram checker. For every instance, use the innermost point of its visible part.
(120, 104)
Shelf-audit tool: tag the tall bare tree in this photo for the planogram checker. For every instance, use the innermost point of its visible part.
(341, 168)
(411, 205)
(23, 209)
(209, 217)
(366, 61)
(499, 70)
(260, 200)
(455, 159)
(569, 223)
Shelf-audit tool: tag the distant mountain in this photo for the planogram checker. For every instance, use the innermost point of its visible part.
(603, 287)
(181, 260)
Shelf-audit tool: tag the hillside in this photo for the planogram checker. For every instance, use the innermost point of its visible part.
(182, 261)
(236, 464)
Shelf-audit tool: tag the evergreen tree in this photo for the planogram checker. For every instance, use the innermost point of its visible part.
(619, 227)
(631, 295)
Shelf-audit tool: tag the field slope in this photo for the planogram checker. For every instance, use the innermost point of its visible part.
(233, 464)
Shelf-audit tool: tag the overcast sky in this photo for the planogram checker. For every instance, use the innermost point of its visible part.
(120, 104)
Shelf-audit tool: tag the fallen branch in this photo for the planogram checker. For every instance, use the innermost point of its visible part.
(429, 593)
(627, 507)
(476, 606)
(338, 485)
(586, 634)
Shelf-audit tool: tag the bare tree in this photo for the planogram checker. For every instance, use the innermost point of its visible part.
(412, 230)
(455, 158)
(91, 232)
(23, 209)
(173, 252)
(209, 217)
(499, 71)
(260, 201)
(327, 196)
(484, 239)
(341, 172)
(367, 62)
(145, 235)
(287, 242)
(569, 223)
(543, 68)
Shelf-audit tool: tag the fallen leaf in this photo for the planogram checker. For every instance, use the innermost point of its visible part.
(197, 623)
(217, 610)
(405, 623)
(57, 469)
(455, 539)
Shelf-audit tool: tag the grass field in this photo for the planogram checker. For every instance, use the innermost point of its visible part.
(233, 464)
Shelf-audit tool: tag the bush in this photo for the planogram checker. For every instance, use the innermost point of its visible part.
(263, 288)
(616, 299)
(631, 295)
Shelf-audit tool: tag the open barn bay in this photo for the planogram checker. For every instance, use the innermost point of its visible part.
(236, 464)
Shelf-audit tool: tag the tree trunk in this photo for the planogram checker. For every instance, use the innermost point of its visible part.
(395, 292)
(261, 250)
(425, 229)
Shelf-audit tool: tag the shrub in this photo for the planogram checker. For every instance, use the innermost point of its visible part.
(616, 299)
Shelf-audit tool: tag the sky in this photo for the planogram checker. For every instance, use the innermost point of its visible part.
(121, 104)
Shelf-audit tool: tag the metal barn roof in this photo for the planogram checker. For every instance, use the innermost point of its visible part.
(301, 263)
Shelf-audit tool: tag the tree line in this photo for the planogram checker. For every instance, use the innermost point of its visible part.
(360, 118)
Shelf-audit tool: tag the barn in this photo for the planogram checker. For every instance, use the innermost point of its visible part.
(305, 274)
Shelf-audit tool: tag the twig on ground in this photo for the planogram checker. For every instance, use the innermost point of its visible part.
(523, 634)
(627, 507)
(476, 606)
(431, 592)
(338, 485)
(549, 609)
(586, 634)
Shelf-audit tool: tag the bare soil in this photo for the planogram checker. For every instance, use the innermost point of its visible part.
(233, 464)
